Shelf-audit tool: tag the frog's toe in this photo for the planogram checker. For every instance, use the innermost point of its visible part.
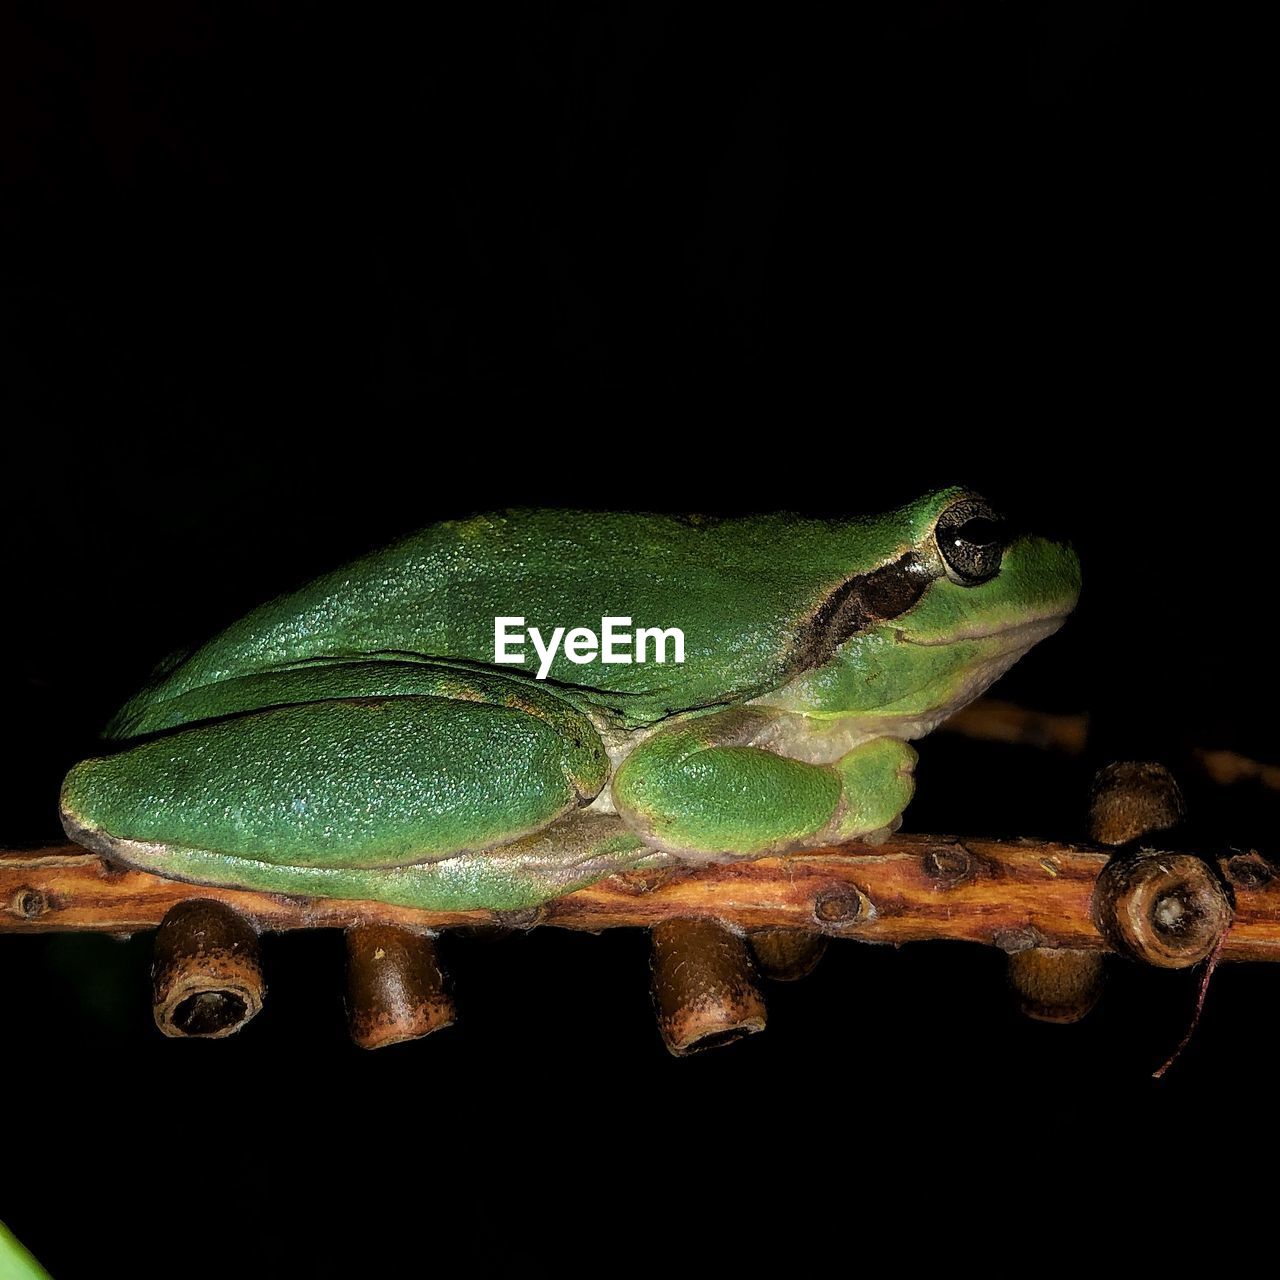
(76, 806)
(879, 781)
(881, 834)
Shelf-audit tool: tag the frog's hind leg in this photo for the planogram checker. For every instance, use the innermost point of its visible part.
(328, 797)
(577, 850)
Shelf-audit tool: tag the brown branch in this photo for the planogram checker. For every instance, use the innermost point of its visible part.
(1227, 768)
(992, 720)
(1014, 894)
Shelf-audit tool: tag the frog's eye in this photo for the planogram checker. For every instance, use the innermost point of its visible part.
(970, 537)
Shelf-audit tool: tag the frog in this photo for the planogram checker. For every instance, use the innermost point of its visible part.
(355, 738)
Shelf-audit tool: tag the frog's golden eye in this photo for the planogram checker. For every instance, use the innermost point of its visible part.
(970, 538)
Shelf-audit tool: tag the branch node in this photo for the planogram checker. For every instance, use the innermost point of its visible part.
(1249, 870)
(841, 908)
(947, 864)
(29, 903)
(1017, 940)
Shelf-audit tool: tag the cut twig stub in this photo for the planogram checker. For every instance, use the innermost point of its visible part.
(704, 986)
(786, 955)
(206, 973)
(1131, 799)
(1057, 984)
(1166, 909)
(396, 989)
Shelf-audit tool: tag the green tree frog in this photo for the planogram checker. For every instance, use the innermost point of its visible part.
(359, 739)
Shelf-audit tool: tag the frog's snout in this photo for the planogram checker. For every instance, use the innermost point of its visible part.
(1045, 573)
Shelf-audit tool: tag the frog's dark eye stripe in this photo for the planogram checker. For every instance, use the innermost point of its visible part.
(862, 602)
(970, 538)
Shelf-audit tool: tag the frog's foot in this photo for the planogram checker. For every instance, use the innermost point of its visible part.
(704, 791)
(878, 781)
(345, 783)
(880, 834)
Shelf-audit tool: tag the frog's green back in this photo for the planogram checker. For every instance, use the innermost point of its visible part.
(739, 589)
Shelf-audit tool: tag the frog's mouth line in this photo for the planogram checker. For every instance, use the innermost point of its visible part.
(1025, 633)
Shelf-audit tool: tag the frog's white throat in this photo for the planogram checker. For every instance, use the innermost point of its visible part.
(822, 740)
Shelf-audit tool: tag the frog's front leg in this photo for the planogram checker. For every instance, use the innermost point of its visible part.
(705, 788)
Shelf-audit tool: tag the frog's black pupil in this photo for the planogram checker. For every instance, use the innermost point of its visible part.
(971, 539)
(979, 532)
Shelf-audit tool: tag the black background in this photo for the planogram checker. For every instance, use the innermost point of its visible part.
(278, 286)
